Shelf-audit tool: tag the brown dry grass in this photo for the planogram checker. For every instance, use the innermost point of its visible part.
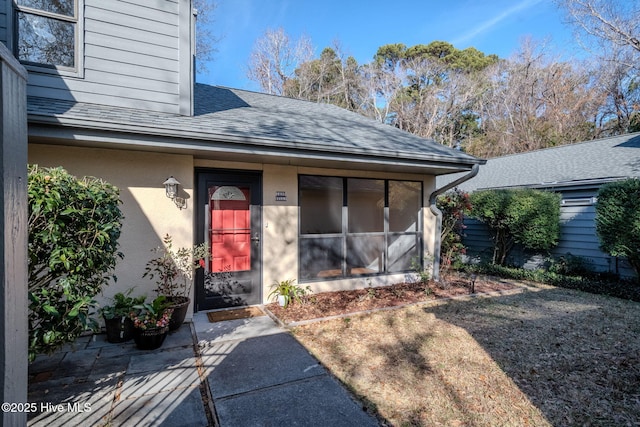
(548, 356)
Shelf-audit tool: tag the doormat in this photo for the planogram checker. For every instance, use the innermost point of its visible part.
(239, 313)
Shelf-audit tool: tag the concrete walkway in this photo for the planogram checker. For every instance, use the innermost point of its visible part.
(246, 372)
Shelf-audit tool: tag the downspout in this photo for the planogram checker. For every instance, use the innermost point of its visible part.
(438, 214)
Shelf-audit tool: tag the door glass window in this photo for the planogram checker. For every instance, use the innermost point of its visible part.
(230, 233)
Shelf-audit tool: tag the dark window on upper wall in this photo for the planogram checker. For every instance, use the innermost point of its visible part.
(47, 33)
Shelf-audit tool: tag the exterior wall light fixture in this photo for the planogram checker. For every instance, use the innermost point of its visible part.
(171, 186)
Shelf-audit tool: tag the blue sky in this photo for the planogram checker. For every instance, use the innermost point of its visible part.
(491, 26)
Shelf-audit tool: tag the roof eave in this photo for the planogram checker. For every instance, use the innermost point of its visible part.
(96, 133)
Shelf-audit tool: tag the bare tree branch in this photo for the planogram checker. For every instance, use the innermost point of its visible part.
(274, 59)
(614, 21)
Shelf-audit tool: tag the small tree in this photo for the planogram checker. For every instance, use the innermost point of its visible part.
(454, 205)
(618, 220)
(74, 226)
(525, 216)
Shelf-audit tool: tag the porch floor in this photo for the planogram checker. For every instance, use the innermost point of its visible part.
(236, 372)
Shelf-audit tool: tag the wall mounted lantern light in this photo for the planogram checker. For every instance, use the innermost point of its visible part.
(171, 186)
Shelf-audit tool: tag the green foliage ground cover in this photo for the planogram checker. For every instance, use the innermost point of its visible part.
(595, 283)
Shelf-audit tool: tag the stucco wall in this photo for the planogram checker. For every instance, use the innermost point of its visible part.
(280, 222)
(148, 213)
(280, 226)
(429, 222)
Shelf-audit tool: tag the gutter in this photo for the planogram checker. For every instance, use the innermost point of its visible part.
(438, 213)
(81, 127)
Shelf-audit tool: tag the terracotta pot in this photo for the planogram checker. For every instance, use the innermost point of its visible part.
(180, 307)
(150, 339)
(119, 329)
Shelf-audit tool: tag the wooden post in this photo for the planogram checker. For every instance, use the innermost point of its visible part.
(13, 237)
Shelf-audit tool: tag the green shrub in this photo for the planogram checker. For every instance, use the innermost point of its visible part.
(618, 220)
(571, 265)
(454, 205)
(289, 290)
(525, 216)
(74, 226)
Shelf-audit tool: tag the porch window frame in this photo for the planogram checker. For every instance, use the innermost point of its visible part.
(77, 20)
(345, 235)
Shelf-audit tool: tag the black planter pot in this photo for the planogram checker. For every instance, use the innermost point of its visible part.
(180, 307)
(150, 339)
(119, 329)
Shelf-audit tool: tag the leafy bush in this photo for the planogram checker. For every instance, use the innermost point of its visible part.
(570, 265)
(173, 269)
(454, 205)
(122, 305)
(289, 290)
(525, 216)
(419, 268)
(74, 226)
(618, 220)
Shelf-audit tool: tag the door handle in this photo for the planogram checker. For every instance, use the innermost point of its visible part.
(256, 237)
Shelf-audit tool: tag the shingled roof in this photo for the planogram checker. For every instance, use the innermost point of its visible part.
(243, 123)
(586, 163)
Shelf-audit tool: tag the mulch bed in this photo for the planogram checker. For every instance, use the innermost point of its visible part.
(326, 304)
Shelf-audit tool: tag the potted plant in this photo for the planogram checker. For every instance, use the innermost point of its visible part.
(173, 271)
(286, 291)
(151, 323)
(118, 324)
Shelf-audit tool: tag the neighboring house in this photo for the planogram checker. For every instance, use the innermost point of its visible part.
(280, 188)
(575, 171)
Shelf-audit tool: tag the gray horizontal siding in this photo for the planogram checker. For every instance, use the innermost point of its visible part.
(4, 24)
(89, 91)
(123, 46)
(151, 38)
(131, 58)
(101, 65)
(477, 240)
(582, 224)
(160, 11)
(577, 237)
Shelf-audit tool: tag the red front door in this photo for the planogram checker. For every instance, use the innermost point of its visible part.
(231, 226)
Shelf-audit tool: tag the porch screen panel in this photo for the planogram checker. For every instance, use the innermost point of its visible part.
(403, 241)
(320, 205)
(352, 227)
(405, 199)
(365, 255)
(403, 251)
(321, 257)
(365, 202)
